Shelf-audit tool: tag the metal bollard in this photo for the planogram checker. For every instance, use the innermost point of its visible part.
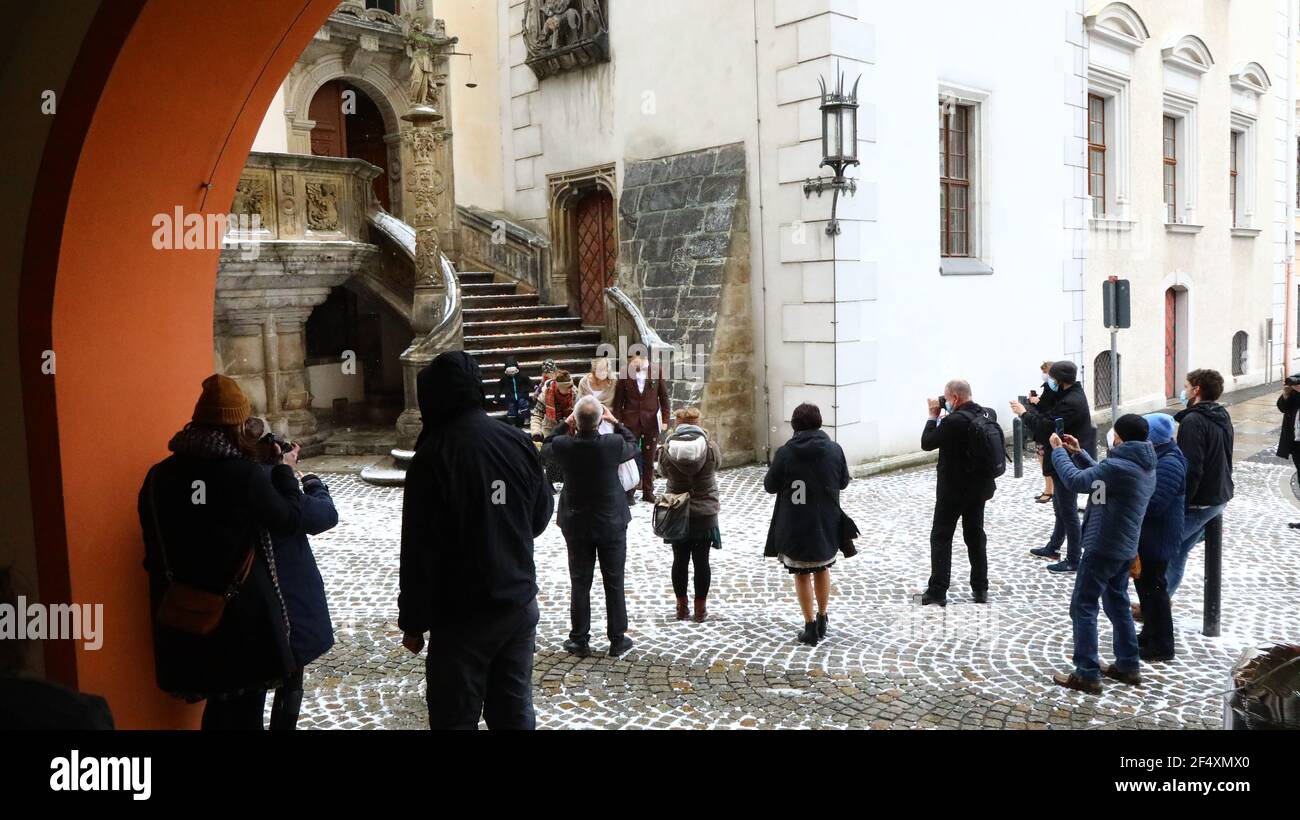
(1213, 576)
(1018, 445)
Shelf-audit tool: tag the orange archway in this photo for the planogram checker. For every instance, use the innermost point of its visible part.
(159, 112)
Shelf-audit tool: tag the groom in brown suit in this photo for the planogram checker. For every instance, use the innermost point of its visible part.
(641, 405)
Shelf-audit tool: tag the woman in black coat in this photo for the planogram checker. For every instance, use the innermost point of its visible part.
(806, 475)
(311, 632)
(208, 514)
(1043, 403)
(1288, 404)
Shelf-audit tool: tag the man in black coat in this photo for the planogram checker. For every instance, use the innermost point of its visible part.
(961, 493)
(594, 518)
(1072, 410)
(475, 499)
(1205, 436)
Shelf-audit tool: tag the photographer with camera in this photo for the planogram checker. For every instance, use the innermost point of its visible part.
(311, 632)
(1070, 415)
(971, 451)
(1287, 404)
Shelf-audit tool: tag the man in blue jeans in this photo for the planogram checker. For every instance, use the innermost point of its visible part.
(1119, 489)
(1071, 411)
(1205, 436)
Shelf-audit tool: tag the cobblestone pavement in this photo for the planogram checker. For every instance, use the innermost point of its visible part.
(887, 662)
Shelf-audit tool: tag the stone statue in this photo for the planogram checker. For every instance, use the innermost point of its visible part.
(593, 18)
(577, 29)
(418, 45)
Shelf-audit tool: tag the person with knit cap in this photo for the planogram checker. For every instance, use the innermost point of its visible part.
(1161, 536)
(1119, 489)
(1069, 408)
(209, 513)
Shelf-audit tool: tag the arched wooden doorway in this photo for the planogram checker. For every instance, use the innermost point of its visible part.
(349, 124)
(159, 113)
(596, 246)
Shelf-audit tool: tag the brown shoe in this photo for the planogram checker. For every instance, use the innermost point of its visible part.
(1073, 681)
(1131, 678)
(1137, 611)
(701, 610)
(683, 613)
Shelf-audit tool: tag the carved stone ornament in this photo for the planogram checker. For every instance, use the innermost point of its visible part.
(423, 144)
(427, 252)
(563, 35)
(322, 206)
(250, 199)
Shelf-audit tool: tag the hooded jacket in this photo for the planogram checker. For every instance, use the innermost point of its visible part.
(1162, 527)
(474, 501)
(312, 632)
(689, 461)
(1205, 437)
(1071, 406)
(812, 468)
(513, 392)
(1118, 490)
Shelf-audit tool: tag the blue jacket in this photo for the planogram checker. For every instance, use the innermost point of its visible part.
(1118, 490)
(1162, 528)
(311, 633)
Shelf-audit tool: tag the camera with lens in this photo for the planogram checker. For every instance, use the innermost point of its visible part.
(284, 444)
(1293, 381)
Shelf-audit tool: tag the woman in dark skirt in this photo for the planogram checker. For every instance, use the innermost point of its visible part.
(806, 475)
(689, 460)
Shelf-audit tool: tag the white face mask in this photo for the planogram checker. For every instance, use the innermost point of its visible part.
(511, 371)
(1110, 440)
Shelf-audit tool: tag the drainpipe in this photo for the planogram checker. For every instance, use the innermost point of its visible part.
(762, 249)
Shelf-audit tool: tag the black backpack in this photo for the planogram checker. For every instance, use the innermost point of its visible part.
(986, 446)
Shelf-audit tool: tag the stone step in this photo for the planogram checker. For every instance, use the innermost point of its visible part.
(508, 313)
(575, 352)
(531, 367)
(479, 277)
(512, 326)
(541, 338)
(489, 289)
(510, 301)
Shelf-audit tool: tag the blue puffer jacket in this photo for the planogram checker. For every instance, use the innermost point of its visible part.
(1162, 528)
(1118, 490)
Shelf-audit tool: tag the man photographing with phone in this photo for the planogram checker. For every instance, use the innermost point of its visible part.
(1069, 415)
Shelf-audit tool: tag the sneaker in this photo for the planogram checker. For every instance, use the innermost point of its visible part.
(620, 647)
(1046, 552)
(1131, 678)
(928, 598)
(580, 648)
(1073, 681)
(1063, 566)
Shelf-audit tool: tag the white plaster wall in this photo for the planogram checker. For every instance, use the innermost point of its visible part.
(475, 112)
(995, 330)
(1230, 280)
(273, 135)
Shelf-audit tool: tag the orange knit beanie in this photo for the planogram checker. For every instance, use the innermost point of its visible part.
(221, 403)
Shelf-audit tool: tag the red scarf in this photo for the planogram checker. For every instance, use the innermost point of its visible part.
(558, 405)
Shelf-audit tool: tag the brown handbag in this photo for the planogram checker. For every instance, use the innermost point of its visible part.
(184, 607)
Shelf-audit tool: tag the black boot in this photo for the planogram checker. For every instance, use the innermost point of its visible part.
(822, 620)
(809, 634)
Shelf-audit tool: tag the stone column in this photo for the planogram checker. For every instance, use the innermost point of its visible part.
(430, 289)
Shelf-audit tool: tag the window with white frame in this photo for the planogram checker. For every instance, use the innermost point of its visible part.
(964, 246)
(1249, 83)
(1186, 61)
(1115, 33)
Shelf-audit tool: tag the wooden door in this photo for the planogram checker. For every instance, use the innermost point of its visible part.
(329, 137)
(1171, 343)
(597, 251)
(365, 140)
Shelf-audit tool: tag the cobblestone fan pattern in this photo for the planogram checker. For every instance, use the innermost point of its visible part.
(887, 662)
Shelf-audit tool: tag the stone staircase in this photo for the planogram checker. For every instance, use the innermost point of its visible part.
(501, 322)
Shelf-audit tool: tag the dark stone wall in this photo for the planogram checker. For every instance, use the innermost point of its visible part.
(685, 259)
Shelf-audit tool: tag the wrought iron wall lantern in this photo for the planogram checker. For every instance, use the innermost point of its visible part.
(839, 146)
